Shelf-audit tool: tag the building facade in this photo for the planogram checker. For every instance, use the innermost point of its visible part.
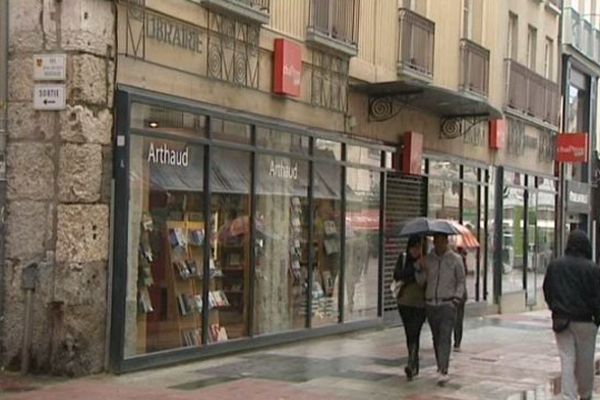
(227, 174)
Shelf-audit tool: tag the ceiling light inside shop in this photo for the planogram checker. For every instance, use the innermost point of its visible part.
(153, 124)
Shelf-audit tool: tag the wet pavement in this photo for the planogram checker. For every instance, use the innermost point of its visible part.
(503, 357)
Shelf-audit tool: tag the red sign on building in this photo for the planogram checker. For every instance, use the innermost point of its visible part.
(412, 153)
(572, 148)
(287, 68)
(497, 133)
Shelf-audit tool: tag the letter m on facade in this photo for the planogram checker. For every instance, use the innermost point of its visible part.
(135, 44)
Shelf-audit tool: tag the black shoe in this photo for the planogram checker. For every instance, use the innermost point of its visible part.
(409, 373)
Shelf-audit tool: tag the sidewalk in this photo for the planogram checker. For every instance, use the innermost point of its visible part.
(504, 357)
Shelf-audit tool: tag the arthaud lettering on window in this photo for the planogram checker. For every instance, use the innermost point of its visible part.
(280, 169)
(162, 154)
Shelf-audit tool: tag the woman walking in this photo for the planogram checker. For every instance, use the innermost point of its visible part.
(411, 300)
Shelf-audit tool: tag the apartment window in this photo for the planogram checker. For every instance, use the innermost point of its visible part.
(513, 34)
(549, 58)
(531, 47)
(467, 19)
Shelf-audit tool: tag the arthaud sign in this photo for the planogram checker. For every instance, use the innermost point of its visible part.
(162, 154)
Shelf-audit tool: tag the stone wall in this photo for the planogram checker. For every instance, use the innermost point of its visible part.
(59, 170)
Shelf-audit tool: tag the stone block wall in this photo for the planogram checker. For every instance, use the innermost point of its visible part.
(59, 165)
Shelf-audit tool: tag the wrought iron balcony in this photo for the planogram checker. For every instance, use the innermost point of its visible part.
(415, 45)
(580, 34)
(255, 11)
(474, 68)
(531, 93)
(334, 24)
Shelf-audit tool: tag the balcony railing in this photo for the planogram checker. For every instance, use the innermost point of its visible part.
(581, 34)
(416, 44)
(255, 11)
(531, 93)
(334, 23)
(474, 68)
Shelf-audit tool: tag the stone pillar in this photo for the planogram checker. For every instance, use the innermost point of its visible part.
(59, 171)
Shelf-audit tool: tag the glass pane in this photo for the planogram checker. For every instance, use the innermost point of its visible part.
(165, 256)
(230, 181)
(532, 259)
(513, 237)
(328, 213)
(470, 174)
(444, 169)
(546, 223)
(470, 220)
(362, 244)
(363, 155)
(282, 246)
(547, 184)
(231, 131)
(162, 119)
(328, 150)
(389, 159)
(490, 236)
(443, 199)
(279, 140)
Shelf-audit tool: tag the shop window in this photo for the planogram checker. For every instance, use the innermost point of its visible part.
(513, 232)
(327, 204)
(363, 155)
(274, 139)
(470, 174)
(167, 120)
(231, 131)
(328, 149)
(443, 199)
(446, 169)
(363, 202)
(470, 219)
(230, 180)
(282, 225)
(166, 246)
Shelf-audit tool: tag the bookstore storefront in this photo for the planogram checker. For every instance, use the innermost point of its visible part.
(232, 231)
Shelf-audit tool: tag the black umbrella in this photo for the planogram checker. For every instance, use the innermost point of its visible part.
(427, 226)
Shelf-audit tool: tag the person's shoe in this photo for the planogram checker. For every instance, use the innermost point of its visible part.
(457, 349)
(409, 373)
(443, 379)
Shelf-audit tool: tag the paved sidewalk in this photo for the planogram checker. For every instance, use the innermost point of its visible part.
(504, 357)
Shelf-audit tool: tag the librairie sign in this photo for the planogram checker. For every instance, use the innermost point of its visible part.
(572, 148)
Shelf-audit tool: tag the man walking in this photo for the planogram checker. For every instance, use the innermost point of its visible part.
(444, 292)
(572, 291)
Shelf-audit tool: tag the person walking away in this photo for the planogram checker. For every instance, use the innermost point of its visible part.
(444, 291)
(411, 300)
(572, 292)
(460, 309)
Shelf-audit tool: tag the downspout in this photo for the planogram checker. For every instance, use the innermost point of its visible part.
(3, 135)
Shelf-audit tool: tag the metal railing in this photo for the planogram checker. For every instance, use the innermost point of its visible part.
(474, 67)
(336, 19)
(416, 43)
(581, 34)
(262, 5)
(531, 93)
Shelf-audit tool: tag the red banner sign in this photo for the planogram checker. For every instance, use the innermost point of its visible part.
(287, 68)
(497, 133)
(572, 148)
(412, 153)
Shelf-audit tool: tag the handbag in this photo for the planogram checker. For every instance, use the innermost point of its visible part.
(395, 288)
(559, 324)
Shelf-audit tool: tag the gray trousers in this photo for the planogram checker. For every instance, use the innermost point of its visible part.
(441, 320)
(577, 346)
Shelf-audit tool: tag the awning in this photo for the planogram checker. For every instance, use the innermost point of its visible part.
(430, 98)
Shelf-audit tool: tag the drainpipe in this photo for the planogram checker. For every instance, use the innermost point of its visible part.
(3, 134)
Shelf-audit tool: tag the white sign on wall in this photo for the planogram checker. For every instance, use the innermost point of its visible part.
(49, 67)
(49, 96)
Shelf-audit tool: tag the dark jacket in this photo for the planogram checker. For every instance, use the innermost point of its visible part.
(412, 292)
(572, 282)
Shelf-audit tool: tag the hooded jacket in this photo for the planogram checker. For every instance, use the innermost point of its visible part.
(572, 282)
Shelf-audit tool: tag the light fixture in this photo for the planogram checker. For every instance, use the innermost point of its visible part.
(153, 124)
